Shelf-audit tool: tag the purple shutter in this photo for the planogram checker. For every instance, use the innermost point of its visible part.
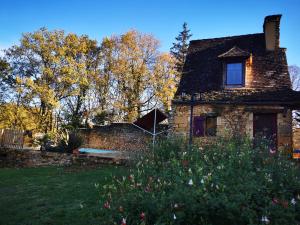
(198, 126)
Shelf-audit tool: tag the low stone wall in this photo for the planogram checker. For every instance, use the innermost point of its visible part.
(31, 158)
(117, 136)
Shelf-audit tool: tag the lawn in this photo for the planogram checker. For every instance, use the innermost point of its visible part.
(52, 195)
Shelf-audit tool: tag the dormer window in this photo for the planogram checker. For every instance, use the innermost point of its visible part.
(235, 74)
(234, 67)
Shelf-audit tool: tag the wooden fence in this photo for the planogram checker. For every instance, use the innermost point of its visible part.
(10, 138)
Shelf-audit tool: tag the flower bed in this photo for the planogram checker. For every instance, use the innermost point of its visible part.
(228, 182)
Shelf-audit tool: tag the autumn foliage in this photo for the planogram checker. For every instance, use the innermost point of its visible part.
(54, 78)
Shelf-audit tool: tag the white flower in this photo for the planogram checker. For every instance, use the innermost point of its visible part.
(190, 170)
(191, 182)
(265, 219)
(184, 153)
(202, 181)
(272, 151)
(174, 217)
(293, 201)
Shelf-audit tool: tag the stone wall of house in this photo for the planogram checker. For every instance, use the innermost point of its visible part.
(296, 138)
(285, 129)
(117, 136)
(232, 119)
(31, 158)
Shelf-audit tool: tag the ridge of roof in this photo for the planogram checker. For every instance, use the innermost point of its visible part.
(234, 52)
(226, 37)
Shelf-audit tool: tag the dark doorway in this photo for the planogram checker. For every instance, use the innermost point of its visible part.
(265, 126)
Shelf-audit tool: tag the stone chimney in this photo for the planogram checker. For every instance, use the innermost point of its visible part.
(272, 32)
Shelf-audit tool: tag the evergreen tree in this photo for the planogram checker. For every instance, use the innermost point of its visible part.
(180, 47)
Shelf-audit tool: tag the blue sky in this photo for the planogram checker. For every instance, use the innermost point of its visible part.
(162, 18)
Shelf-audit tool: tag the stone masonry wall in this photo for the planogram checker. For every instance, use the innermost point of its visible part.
(230, 119)
(296, 138)
(285, 129)
(117, 136)
(31, 158)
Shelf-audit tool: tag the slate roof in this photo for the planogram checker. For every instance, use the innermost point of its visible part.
(203, 69)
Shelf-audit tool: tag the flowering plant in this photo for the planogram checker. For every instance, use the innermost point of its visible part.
(229, 181)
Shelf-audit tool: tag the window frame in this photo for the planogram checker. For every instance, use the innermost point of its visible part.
(215, 126)
(204, 118)
(243, 74)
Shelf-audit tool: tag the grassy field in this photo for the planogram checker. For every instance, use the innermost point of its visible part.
(51, 195)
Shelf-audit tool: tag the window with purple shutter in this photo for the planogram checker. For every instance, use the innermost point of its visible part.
(198, 126)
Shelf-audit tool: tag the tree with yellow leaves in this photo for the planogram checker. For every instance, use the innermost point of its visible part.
(57, 78)
(137, 70)
(165, 80)
(51, 69)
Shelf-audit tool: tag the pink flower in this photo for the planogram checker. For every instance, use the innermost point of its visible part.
(142, 216)
(123, 221)
(275, 201)
(148, 189)
(106, 205)
(130, 177)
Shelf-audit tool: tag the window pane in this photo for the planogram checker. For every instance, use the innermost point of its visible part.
(211, 126)
(198, 126)
(234, 74)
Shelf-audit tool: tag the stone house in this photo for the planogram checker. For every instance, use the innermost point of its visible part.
(237, 85)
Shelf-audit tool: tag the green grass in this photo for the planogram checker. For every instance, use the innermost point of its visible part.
(52, 195)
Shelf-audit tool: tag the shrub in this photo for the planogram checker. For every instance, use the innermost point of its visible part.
(73, 141)
(46, 141)
(68, 143)
(227, 182)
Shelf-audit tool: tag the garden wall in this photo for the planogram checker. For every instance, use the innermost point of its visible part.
(31, 158)
(117, 136)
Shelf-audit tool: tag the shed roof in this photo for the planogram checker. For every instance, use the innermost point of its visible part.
(147, 121)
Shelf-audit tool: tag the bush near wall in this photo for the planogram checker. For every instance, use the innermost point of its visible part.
(228, 182)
